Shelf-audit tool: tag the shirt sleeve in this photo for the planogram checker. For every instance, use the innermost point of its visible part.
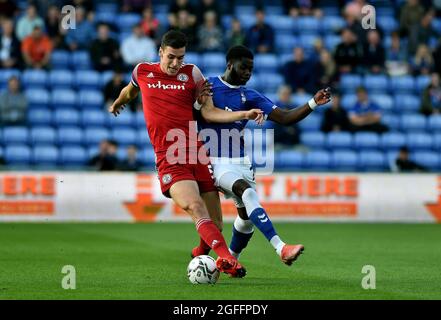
(198, 79)
(134, 79)
(259, 101)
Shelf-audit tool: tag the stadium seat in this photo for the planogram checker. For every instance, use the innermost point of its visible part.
(289, 159)
(73, 155)
(192, 57)
(422, 82)
(285, 43)
(38, 98)
(318, 160)
(94, 135)
(270, 81)
(344, 160)
(42, 135)
(124, 119)
(406, 103)
(419, 140)
(139, 120)
(299, 99)
(34, 78)
(273, 10)
(339, 140)
(310, 123)
(254, 83)
(376, 83)
(281, 23)
(392, 121)
(80, 60)
(87, 79)
(428, 159)
(402, 84)
(71, 135)
(366, 140)
(413, 122)
(244, 9)
(105, 16)
(91, 99)
(213, 60)
(45, 155)
(264, 63)
(5, 74)
(392, 140)
(313, 139)
(307, 41)
(124, 135)
(350, 82)
(60, 59)
(372, 161)
(434, 123)
(147, 157)
(60, 79)
(105, 77)
(387, 23)
(17, 154)
(93, 118)
(331, 24)
(308, 25)
(348, 101)
(142, 138)
(125, 21)
(436, 141)
(331, 41)
(384, 101)
(66, 117)
(39, 116)
(63, 98)
(19, 135)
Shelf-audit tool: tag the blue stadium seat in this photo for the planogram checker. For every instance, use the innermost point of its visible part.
(213, 60)
(384, 11)
(60, 59)
(87, 79)
(125, 21)
(109, 7)
(273, 10)
(308, 25)
(39, 116)
(5, 74)
(42, 135)
(66, 117)
(71, 135)
(299, 99)
(413, 122)
(285, 43)
(105, 77)
(63, 98)
(428, 159)
(244, 9)
(254, 83)
(339, 140)
(387, 23)
(94, 135)
(73, 155)
(37, 98)
(270, 81)
(332, 24)
(434, 123)
(419, 140)
(147, 156)
(318, 160)
(392, 121)
(406, 103)
(91, 99)
(384, 101)
(92, 151)
(34, 78)
(143, 138)
(313, 139)
(392, 140)
(436, 141)
(344, 160)
(60, 79)
(350, 82)
(93, 118)
(124, 135)
(289, 159)
(422, 82)
(45, 155)
(331, 41)
(264, 63)
(310, 123)
(15, 135)
(348, 101)
(139, 119)
(376, 83)
(192, 57)
(372, 161)
(366, 140)
(402, 84)
(17, 154)
(281, 23)
(307, 41)
(80, 60)
(105, 16)
(124, 119)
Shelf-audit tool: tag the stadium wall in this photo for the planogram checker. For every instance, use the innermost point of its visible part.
(131, 197)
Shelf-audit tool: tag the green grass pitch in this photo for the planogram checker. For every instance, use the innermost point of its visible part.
(148, 261)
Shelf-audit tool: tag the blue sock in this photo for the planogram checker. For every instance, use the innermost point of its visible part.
(261, 220)
(239, 240)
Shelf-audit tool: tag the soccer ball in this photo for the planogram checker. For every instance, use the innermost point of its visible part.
(202, 270)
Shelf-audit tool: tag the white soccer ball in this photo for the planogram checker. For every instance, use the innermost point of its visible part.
(202, 270)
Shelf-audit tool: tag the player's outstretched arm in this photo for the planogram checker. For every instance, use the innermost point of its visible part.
(288, 117)
(212, 114)
(127, 94)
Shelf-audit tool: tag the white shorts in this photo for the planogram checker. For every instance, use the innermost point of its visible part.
(227, 171)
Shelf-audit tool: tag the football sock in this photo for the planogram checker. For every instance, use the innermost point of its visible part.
(212, 237)
(203, 245)
(242, 233)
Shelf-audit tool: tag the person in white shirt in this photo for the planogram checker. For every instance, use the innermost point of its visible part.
(138, 48)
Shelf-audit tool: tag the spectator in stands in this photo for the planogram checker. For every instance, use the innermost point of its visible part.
(352, 18)
(353, 8)
(10, 55)
(131, 163)
(325, 70)
(185, 25)
(421, 33)
(431, 97)
(13, 104)
(348, 53)
(235, 35)
(437, 58)
(80, 37)
(53, 30)
(299, 72)
(396, 57)
(104, 51)
(106, 159)
(285, 136)
(335, 118)
(411, 14)
(296, 8)
(175, 8)
(422, 63)
(205, 6)
(210, 34)
(260, 37)
(150, 25)
(8, 9)
(137, 48)
(113, 87)
(404, 164)
(135, 5)
(365, 115)
(36, 49)
(89, 7)
(26, 23)
(374, 55)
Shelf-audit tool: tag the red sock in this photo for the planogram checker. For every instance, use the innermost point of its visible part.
(203, 245)
(211, 235)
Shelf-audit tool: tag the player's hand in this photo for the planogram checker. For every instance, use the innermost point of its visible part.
(323, 96)
(256, 115)
(115, 109)
(206, 92)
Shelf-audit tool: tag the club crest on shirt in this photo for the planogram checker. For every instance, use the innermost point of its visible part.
(166, 178)
(182, 77)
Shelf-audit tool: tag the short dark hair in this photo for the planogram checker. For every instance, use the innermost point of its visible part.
(175, 39)
(239, 52)
(361, 89)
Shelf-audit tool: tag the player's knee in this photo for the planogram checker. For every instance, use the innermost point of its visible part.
(240, 186)
(196, 208)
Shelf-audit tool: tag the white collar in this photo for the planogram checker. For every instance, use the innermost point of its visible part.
(227, 84)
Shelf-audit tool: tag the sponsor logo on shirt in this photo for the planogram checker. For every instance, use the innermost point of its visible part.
(160, 85)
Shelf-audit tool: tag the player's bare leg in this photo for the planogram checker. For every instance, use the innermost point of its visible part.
(186, 195)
